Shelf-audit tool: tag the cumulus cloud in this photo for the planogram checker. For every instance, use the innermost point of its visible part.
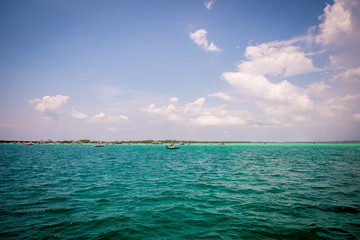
(196, 113)
(283, 101)
(276, 59)
(340, 109)
(78, 115)
(339, 37)
(103, 117)
(99, 117)
(260, 89)
(287, 80)
(209, 4)
(199, 37)
(278, 100)
(346, 102)
(49, 105)
(222, 95)
(351, 75)
(317, 88)
(336, 25)
(338, 33)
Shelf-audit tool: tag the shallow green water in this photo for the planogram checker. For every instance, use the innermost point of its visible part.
(249, 191)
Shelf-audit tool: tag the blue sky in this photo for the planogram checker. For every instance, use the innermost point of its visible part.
(195, 70)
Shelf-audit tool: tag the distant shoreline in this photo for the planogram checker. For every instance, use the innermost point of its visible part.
(164, 142)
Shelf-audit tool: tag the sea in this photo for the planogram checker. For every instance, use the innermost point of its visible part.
(232, 191)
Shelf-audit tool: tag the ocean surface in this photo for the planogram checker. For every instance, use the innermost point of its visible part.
(244, 191)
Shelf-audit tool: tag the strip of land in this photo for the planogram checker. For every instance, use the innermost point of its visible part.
(149, 142)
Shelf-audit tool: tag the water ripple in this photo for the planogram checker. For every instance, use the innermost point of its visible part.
(249, 191)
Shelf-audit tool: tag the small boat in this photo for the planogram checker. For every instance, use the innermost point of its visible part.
(172, 147)
(98, 145)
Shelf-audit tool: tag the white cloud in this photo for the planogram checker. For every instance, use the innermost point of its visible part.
(317, 88)
(351, 75)
(200, 39)
(165, 110)
(49, 105)
(336, 25)
(103, 117)
(222, 95)
(112, 129)
(266, 78)
(99, 117)
(195, 113)
(276, 60)
(340, 108)
(265, 93)
(33, 101)
(343, 102)
(208, 4)
(211, 120)
(78, 115)
(283, 103)
(338, 33)
(174, 100)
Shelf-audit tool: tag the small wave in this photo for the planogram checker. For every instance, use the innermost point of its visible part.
(233, 192)
(343, 209)
(58, 210)
(47, 210)
(334, 209)
(56, 199)
(102, 200)
(312, 232)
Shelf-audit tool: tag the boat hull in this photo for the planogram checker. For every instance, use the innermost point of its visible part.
(172, 147)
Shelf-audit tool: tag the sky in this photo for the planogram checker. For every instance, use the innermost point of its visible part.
(225, 70)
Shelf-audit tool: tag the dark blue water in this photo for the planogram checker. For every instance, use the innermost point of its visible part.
(250, 191)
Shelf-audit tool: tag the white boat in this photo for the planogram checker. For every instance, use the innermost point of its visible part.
(172, 147)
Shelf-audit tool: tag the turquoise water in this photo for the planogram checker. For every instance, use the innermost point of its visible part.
(249, 191)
